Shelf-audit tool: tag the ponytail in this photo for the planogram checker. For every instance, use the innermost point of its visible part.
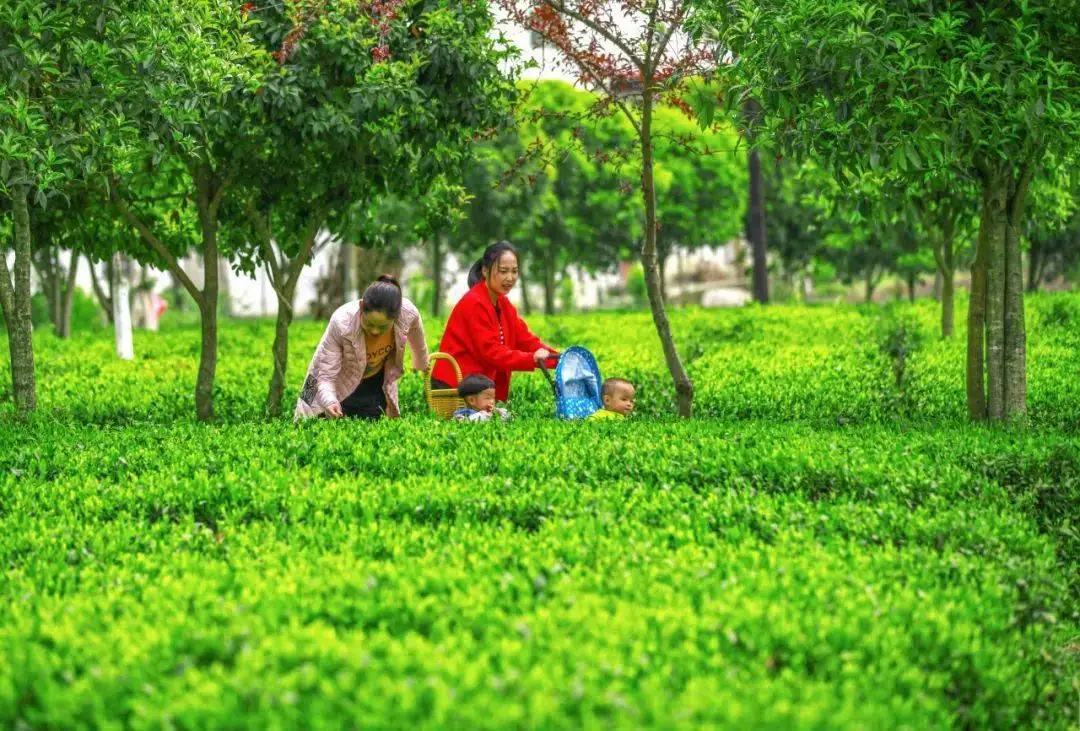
(488, 260)
(383, 295)
(476, 273)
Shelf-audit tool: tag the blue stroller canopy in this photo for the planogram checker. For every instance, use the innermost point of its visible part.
(577, 384)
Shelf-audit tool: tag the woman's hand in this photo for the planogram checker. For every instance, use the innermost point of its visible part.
(334, 411)
(541, 356)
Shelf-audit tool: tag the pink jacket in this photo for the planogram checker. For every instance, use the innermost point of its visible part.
(338, 364)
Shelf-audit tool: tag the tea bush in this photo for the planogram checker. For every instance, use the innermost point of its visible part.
(816, 550)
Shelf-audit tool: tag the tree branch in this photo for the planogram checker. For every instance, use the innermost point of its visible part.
(262, 230)
(674, 25)
(607, 35)
(105, 300)
(159, 248)
(300, 260)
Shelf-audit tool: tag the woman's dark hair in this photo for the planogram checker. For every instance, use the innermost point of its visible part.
(383, 295)
(488, 260)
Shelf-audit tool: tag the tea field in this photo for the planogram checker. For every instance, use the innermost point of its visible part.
(826, 545)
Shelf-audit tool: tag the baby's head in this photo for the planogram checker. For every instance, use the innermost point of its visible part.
(478, 392)
(618, 395)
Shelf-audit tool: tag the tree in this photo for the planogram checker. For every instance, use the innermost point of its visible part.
(56, 75)
(1054, 237)
(987, 91)
(189, 93)
(366, 104)
(634, 54)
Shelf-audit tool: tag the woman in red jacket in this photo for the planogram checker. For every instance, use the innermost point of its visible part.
(484, 333)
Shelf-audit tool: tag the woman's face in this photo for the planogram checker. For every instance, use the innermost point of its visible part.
(375, 323)
(503, 276)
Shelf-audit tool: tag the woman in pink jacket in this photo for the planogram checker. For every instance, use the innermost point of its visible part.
(356, 368)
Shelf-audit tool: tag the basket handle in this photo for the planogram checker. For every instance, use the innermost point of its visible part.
(431, 361)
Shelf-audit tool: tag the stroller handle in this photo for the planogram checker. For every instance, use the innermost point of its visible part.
(547, 375)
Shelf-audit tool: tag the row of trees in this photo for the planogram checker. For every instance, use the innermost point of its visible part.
(923, 118)
(905, 140)
(161, 127)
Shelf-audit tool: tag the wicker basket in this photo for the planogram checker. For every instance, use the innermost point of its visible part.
(443, 401)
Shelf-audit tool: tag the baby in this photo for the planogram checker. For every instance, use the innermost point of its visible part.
(479, 394)
(618, 395)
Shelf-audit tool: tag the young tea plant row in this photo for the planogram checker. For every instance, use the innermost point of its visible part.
(537, 575)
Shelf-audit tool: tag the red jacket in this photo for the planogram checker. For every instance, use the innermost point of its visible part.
(473, 337)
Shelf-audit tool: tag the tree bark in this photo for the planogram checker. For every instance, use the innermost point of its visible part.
(995, 221)
(284, 277)
(661, 263)
(945, 277)
(103, 299)
(1015, 405)
(549, 282)
(948, 304)
(436, 274)
(204, 382)
(1034, 265)
(119, 271)
(684, 387)
(15, 299)
(523, 283)
(69, 296)
(871, 285)
(206, 200)
(912, 283)
(755, 214)
(976, 330)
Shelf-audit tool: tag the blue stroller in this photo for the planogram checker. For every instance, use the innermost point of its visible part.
(576, 384)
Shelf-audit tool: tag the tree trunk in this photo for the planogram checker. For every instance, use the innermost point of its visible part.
(204, 383)
(103, 299)
(662, 257)
(947, 274)
(549, 282)
(436, 274)
(994, 218)
(284, 276)
(948, 304)
(939, 285)
(976, 331)
(280, 352)
(871, 285)
(912, 283)
(1034, 265)
(755, 214)
(684, 387)
(526, 303)
(1015, 405)
(15, 299)
(69, 296)
(121, 303)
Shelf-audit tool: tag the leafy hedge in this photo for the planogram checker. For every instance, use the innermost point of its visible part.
(822, 556)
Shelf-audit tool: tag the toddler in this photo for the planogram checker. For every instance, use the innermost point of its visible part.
(478, 391)
(618, 396)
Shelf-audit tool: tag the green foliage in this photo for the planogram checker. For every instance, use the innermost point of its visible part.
(810, 560)
(560, 185)
(875, 85)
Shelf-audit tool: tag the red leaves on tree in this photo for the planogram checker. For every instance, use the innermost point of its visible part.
(382, 14)
(246, 8)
